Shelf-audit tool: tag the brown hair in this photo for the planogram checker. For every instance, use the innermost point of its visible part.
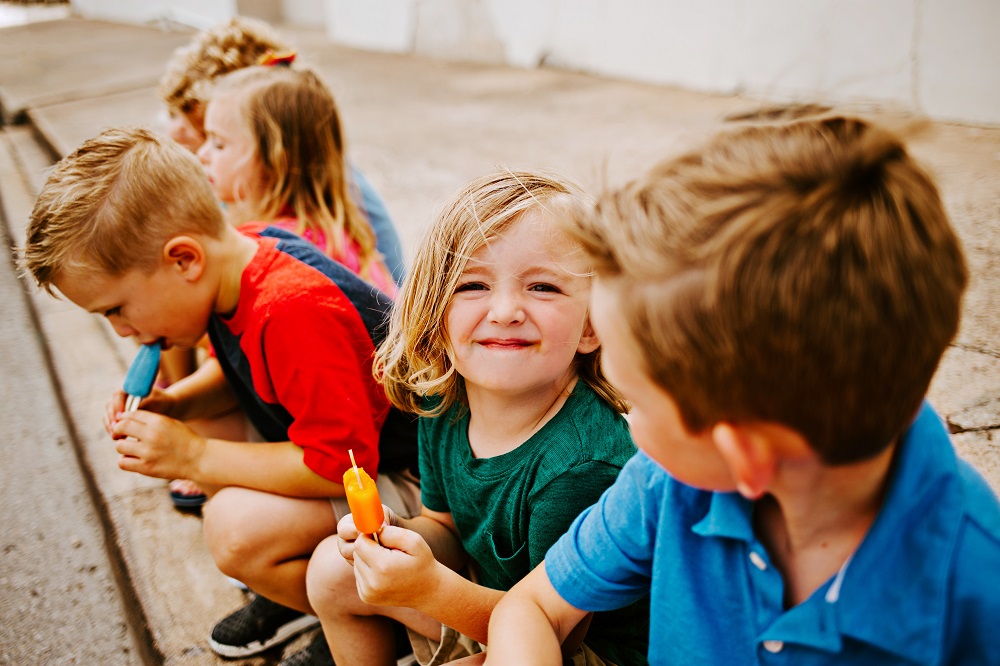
(239, 43)
(413, 361)
(294, 120)
(112, 204)
(804, 274)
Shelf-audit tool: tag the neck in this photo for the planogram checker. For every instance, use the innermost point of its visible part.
(233, 253)
(816, 516)
(499, 423)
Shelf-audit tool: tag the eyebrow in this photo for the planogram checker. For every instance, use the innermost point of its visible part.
(483, 268)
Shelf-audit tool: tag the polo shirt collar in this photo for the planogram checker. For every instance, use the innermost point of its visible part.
(893, 591)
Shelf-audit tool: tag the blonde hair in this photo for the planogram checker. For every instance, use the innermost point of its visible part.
(111, 205)
(293, 118)
(413, 362)
(239, 43)
(804, 274)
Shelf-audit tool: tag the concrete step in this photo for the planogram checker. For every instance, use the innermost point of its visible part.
(172, 592)
(60, 599)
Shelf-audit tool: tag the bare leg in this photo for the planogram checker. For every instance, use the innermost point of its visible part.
(356, 632)
(266, 540)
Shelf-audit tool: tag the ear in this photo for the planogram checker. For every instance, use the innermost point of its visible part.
(749, 456)
(186, 255)
(589, 341)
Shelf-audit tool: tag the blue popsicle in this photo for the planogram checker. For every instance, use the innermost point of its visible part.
(141, 375)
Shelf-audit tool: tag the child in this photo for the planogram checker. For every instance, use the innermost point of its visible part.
(239, 43)
(774, 307)
(491, 344)
(274, 151)
(184, 88)
(127, 226)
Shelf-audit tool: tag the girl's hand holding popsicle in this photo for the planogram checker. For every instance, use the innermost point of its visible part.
(402, 571)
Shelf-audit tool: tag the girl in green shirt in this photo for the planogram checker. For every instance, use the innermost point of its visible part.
(491, 344)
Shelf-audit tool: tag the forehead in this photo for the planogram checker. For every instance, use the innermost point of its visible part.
(532, 238)
(224, 112)
(91, 289)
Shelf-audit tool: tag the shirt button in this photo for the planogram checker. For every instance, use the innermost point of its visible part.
(758, 561)
(774, 647)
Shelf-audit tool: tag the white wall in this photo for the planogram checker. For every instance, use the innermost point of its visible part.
(940, 58)
(196, 13)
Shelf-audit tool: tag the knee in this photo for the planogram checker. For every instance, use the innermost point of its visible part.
(231, 531)
(330, 579)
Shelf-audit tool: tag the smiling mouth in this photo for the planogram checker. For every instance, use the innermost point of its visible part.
(505, 344)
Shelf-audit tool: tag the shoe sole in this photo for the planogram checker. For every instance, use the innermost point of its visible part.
(188, 501)
(284, 633)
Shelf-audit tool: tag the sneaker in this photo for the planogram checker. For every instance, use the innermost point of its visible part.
(256, 627)
(317, 653)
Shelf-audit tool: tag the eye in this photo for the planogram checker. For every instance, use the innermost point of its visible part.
(545, 287)
(471, 286)
(113, 311)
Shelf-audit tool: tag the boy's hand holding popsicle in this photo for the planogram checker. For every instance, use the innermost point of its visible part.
(149, 442)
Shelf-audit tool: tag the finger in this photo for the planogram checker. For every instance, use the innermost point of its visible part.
(346, 549)
(130, 464)
(346, 529)
(398, 538)
(390, 516)
(127, 447)
(122, 428)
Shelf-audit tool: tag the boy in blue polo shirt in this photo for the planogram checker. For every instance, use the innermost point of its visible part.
(774, 307)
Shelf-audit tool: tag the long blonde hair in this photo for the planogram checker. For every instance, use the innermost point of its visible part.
(293, 118)
(413, 362)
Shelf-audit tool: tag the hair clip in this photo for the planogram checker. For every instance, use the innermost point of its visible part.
(272, 59)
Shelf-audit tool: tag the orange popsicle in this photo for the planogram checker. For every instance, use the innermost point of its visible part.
(363, 498)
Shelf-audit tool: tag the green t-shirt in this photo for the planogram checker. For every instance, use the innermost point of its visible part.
(509, 509)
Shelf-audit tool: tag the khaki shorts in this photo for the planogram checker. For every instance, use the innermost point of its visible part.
(453, 646)
(400, 491)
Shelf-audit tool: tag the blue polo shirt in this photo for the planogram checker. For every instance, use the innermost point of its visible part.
(922, 588)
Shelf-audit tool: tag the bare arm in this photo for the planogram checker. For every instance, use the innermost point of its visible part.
(160, 446)
(202, 394)
(531, 622)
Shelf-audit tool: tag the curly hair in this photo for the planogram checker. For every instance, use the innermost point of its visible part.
(239, 43)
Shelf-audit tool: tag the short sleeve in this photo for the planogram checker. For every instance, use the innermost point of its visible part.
(319, 367)
(605, 560)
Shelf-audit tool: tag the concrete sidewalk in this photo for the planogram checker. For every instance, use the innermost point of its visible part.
(419, 129)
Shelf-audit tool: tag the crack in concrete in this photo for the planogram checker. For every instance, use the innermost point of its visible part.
(977, 350)
(956, 429)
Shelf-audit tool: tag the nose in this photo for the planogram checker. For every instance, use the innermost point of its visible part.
(506, 306)
(203, 153)
(121, 328)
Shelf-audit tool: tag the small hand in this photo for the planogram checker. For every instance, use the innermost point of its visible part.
(157, 445)
(159, 401)
(347, 532)
(400, 572)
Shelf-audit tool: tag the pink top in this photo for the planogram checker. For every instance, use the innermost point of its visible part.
(378, 275)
